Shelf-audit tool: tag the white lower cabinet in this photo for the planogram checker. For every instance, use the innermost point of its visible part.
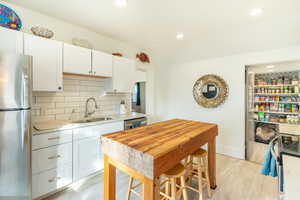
(86, 160)
(51, 180)
(63, 157)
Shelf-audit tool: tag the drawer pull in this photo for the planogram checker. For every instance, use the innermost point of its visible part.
(54, 157)
(54, 179)
(54, 138)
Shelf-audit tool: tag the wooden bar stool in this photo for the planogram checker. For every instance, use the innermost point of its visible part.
(172, 189)
(131, 189)
(196, 168)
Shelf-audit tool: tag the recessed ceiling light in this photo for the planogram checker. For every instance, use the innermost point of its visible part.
(256, 11)
(270, 66)
(179, 36)
(121, 3)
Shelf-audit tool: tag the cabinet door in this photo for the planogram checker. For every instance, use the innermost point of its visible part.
(102, 64)
(123, 74)
(47, 62)
(77, 60)
(86, 159)
(11, 41)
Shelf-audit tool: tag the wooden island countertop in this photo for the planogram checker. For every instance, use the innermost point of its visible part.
(147, 152)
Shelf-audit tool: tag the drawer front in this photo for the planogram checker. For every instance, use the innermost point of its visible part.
(52, 157)
(97, 130)
(51, 180)
(51, 139)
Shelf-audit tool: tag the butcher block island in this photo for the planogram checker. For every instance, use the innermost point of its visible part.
(147, 152)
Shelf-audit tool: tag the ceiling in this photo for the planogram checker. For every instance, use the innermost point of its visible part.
(211, 28)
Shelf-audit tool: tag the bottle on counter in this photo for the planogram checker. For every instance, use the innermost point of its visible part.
(122, 108)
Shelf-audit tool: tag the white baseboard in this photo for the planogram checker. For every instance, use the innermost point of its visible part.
(231, 151)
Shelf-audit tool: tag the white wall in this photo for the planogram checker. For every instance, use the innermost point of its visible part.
(174, 97)
(64, 31)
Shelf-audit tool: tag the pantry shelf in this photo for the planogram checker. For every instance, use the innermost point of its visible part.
(283, 102)
(272, 122)
(268, 122)
(273, 112)
(277, 94)
(275, 86)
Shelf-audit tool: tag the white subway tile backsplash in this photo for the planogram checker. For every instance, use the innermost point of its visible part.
(60, 105)
(43, 105)
(55, 111)
(50, 99)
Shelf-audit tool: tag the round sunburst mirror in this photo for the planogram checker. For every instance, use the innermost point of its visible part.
(210, 91)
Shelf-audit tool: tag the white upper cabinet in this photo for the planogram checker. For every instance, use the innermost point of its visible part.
(77, 60)
(47, 62)
(11, 41)
(102, 64)
(123, 75)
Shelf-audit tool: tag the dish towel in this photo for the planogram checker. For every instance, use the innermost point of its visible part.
(269, 167)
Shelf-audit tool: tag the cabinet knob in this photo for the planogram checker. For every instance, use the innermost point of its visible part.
(59, 87)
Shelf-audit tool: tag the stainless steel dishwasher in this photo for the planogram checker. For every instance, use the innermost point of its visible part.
(134, 123)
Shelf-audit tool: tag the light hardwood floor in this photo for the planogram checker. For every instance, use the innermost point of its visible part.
(236, 180)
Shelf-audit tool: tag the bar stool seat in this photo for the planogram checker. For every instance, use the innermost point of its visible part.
(176, 171)
(200, 152)
(172, 189)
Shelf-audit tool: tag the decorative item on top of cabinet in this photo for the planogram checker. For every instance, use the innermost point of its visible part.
(210, 91)
(117, 54)
(82, 43)
(9, 18)
(42, 32)
(143, 57)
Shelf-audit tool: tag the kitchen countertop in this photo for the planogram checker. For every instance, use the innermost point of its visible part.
(59, 125)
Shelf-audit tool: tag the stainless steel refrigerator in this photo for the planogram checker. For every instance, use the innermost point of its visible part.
(15, 127)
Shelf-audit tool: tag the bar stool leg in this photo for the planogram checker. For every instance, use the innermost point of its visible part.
(207, 177)
(200, 180)
(129, 188)
(173, 186)
(184, 191)
(167, 187)
(190, 170)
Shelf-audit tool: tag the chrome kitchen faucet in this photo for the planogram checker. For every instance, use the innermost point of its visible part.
(87, 113)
